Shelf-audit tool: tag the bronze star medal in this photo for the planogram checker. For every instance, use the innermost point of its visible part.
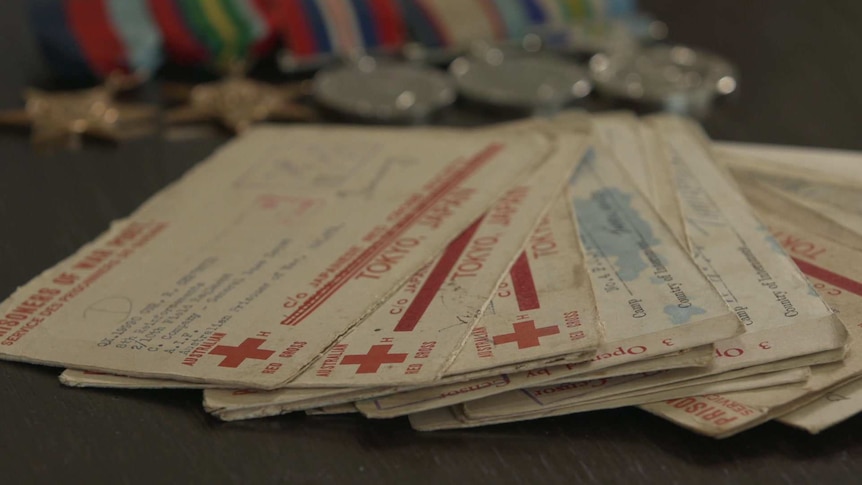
(63, 118)
(237, 102)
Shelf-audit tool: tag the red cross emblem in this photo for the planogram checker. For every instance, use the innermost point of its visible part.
(526, 334)
(248, 349)
(370, 363)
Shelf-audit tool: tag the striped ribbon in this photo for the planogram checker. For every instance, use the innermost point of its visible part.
(314, 28)
(138, 32)
(85, 39)
(423, 26)
(550, 12)
(516, 18)
(339, 18)
(443, 23)
(94, 38)
(181, 45)
(534, 12)
(218, 32)
(268, 40)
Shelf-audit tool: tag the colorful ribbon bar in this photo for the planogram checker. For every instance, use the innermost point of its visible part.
(93, 38)
(86, 39)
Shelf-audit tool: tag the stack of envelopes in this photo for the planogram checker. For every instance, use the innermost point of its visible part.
(471, 277)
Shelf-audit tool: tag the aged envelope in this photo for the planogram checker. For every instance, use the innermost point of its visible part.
(453, 417)
(596, 392)
(543, 244)
(829, 165)
(409, 401)
(620, 131)
(210, 281)
(834, 210)
(580, 337)
(696, 357)
(800, 187)
(235, 405)
(740, 258)
(825, 263)
(435, 419)
(430, 313)
(651, 298)
(84, 378)
(643, 154)
(644, 282)
(753, 274)
(539, 400)
(464, 418)
(831, 408)
(347, 408)
(418, 331)
(566, 394)
(758, 381)
(623, 130)
(268, 399)
(646, 385)
(543, 309)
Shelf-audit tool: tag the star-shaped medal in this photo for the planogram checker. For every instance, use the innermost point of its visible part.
(237, 102)
(63, 118)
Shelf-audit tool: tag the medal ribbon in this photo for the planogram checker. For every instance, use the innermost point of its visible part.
(181, 45)
(265, 11)
(314, 29)
(101, 45)
(252, 23)
(199, 27)
(494, 14)
(382, 23)
(222, 30)
(311, 28)
(339, 19)
(462, 20)
(241, 29)
(534, 11)
(85, 39)
(91, 26)
(554, 13)
(315, 19)
(218, 25)
(57, 41)
(514, 16)
(390, 22)
(297, 34)
(138, 32)
(423, 26)
(367, 25)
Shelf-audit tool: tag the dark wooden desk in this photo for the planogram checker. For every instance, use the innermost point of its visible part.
(801, 76)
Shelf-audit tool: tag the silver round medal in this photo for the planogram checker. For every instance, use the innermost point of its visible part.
(383, 91)
(675, 78)
(537, 83)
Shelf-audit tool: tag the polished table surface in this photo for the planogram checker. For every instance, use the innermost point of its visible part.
(801, 73)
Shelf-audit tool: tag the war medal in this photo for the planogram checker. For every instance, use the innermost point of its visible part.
(384, 92)
(116, 41)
